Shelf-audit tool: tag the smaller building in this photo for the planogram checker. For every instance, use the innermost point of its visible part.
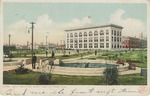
(50, 46)
(133, 43)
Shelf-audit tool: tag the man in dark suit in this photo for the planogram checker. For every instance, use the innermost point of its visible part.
(34, 59)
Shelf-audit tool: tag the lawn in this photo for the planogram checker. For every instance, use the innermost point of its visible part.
(32, 79)
(138, 57)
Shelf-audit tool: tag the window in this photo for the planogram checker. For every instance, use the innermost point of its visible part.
(101, 32)
(115, 46)
(118, 33)
(80, 45)
(76, 46)
(101, 39)
(118, 46)
(75, 34)
(75, 41)
(80, 39)
(101, 45)
(71, 40)
(67, 40)
(71, 35)
(112, 32)
(85, 45)
(107, 45)
(67, 45)
(71, 45)
(95, 39)
(85, 39)
(67, 35)
(95, 33)
(115, 39)
(90, 39)
(90, 45)
(95, 45)
(85, 34)
(112, 46)
(90, 33)
(107, 38)
(107, 32)
(120, 39)
(80, 34)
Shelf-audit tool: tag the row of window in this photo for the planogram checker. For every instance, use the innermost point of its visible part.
(115, 39)
(90, 45)
(114, 32)
(94, 46)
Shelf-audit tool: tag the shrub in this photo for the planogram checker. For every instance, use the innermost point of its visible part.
(45, 78)
(110, 75)
(22, 70)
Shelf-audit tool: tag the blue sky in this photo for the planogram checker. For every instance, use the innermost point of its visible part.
(71, 14)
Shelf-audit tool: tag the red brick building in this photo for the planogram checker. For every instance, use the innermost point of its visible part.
(133, 42)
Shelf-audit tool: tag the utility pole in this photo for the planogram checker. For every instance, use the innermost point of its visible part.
(46, 41)
(32, 27)
(9, 39)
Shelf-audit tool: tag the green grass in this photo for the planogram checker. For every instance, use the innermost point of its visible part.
(32, 79)
(141, 65)
(29, 79)
(132, 79)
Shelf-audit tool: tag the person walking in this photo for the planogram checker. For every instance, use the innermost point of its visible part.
(34, 59)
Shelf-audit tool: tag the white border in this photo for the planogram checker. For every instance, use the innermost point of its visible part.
(67, 89)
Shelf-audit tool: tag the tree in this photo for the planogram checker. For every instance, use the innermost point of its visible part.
(110, 75)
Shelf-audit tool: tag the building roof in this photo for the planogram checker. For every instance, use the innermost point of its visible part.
(109, 25)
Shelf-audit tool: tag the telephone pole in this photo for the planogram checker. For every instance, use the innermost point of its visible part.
(46, 41)
(32, 27)
(9, 39)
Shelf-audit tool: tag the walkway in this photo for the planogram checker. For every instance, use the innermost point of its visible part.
(75, 71)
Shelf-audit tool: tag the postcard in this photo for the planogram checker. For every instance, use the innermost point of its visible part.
(74, 48)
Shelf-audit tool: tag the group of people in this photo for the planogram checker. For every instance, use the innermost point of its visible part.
(34, 58)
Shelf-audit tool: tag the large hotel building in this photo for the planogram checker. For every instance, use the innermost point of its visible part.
(105, 37)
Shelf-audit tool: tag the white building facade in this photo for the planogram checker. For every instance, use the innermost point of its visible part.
(105, 37)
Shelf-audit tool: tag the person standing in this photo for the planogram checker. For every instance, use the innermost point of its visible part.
(46, 53)
(10, 55)
(34, 59)
(53, 54)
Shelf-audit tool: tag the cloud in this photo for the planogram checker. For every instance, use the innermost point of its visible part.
(132, 26)
(18, 32)
(44, 26)
(77, 23)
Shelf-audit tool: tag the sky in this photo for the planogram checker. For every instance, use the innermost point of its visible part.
(51, 19)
